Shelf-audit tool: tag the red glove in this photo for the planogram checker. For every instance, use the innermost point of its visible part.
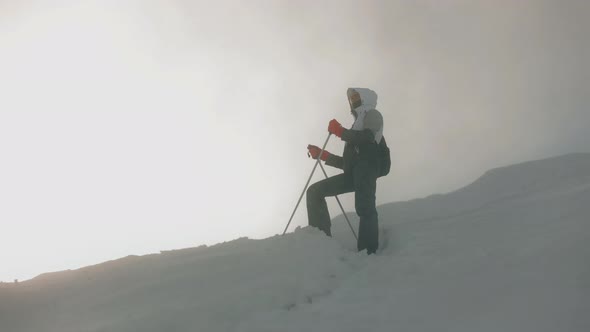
(314, 151)
(335, 128)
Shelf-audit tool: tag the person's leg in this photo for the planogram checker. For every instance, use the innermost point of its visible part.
(317, 209)
(365, 185)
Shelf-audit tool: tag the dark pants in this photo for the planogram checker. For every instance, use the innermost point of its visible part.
(363, 181)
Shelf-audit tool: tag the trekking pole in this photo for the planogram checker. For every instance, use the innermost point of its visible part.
(341, 208)
(307, 183)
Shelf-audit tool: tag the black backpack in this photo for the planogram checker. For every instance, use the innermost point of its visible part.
(384, 158)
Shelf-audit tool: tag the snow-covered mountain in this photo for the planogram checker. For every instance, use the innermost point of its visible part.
(510, 252)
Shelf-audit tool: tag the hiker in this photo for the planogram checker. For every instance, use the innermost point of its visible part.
(361, 166)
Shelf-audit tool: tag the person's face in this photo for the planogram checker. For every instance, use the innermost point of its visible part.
(354, 99)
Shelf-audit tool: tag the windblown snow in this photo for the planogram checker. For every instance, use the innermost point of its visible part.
(510, 252)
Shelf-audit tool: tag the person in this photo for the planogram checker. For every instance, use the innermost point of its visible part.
(360, 165)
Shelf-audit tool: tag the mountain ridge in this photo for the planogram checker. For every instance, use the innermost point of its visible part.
(508, 252)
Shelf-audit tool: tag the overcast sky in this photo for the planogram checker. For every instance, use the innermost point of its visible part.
(129, 127)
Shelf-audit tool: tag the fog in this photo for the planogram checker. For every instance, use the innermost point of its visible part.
(128, 128)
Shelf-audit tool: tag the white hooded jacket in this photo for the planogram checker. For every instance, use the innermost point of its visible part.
(367, 116)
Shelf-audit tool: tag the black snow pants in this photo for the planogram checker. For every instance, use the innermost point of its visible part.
(362, 180)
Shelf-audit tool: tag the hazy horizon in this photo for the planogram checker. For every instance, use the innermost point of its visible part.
(129, 128)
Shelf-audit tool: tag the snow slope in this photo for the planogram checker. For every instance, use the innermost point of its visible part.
(510, 252)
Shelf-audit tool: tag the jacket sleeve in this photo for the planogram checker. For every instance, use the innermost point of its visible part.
(373, 122)
(358, 137)
(335, 161)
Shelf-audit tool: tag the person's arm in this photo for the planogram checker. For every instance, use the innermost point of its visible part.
(373, 122)
(358, 137)
(335, 161)
(330, 159)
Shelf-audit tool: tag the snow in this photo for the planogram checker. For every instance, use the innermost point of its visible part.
(510, 252)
